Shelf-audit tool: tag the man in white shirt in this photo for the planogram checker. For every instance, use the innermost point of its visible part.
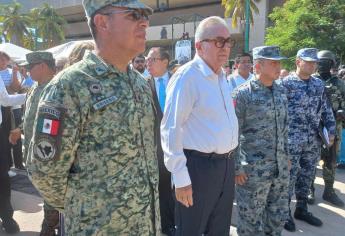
(199, 131)
(6, 210)
(157, 65)
(243, 66)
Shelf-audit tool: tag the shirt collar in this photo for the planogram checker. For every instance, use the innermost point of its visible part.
(204, 68)
(165, 76)
(99, 66)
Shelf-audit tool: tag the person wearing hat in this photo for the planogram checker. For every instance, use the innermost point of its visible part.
(307, 107)
(335, 92)
(261, 161)
(93, 154)
(41, 66)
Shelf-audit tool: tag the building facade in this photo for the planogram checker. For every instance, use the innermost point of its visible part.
(171, 19)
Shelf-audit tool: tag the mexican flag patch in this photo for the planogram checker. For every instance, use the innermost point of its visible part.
(48, 126)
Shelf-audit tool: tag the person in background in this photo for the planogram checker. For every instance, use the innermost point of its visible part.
(6, 210)
(41, 66)
(243, 67)
(307, 107)
(261, 161)
(157, 65)
(12, 80)
(139, 63)
(78, 52)
(199, 131)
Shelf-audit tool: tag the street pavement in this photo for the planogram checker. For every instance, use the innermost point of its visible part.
(28, 209)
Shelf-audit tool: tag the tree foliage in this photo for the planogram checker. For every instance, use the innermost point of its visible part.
(308, 23)
(15, 25)
(49, 25)
(236, 9)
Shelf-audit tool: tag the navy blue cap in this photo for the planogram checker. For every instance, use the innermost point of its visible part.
(308, 54)
(267, 52)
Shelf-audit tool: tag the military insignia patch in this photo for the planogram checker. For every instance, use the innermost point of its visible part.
(95, 88)
(48, 131)
(44, 150)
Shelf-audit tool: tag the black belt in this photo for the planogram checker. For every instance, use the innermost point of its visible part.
(209, 155)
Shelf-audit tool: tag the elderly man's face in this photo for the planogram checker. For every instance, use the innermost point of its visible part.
(156, 65)
(126, 30)
(210, 50)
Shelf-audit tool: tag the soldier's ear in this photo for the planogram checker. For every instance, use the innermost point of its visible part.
(101, 22)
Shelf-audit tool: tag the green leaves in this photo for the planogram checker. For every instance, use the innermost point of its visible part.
(308, 23)
(47, 23)
(236, 10)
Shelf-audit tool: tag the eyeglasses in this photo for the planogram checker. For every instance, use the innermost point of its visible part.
(30, 66)
(153, 59)
(134, 14)
(139, 61)
(220, 42)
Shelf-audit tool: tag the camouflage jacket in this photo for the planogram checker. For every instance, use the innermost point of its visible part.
(335, 90)
(31, 104)
(93, 150)
(307, 106)
(262, 118)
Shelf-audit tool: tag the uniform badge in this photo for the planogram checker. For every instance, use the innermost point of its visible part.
(47, 141)
(95, 88)
(44, 150)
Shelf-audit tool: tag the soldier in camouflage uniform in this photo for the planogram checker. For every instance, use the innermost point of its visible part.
(41, 66)
(335, 90)
(262, 172)
(307, 106)
(93, 151)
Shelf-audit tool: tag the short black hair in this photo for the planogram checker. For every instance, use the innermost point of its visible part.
(244, 54)
(139, 56)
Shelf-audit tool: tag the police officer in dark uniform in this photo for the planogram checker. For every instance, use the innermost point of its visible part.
(335, 89)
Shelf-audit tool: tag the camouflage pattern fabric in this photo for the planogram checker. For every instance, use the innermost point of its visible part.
(307, 106)
(93, 150)
(262, 155)
(38, 57)
(30, 111)
(91, 6)
(335, 89)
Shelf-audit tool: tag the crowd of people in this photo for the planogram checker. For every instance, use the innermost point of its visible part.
(122, 143)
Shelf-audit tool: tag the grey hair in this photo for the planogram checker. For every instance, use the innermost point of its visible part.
(204, 29)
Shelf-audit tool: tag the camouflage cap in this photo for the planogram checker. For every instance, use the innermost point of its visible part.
(267, 52)
(308, 54)
(91, 6)
(38, 57)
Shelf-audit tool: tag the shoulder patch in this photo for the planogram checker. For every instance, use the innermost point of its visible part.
(49, 126)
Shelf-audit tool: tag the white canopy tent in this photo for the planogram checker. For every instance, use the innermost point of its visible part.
(16, 53)
(64, 50)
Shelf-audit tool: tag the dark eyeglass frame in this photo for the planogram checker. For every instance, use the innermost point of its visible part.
(220, 42)
(135, 14)
(154, 59)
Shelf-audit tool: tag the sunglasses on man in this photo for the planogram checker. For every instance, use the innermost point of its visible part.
(135, 15)
(221, 42)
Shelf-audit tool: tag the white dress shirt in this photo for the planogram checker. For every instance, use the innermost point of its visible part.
(165, 80)
(199, 115)
(236, 80)
(9, 100)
